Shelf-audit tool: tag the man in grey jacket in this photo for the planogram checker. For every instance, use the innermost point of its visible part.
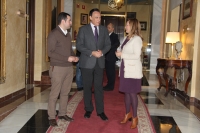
(93, 42)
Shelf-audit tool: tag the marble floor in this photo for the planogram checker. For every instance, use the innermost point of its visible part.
(167, 113)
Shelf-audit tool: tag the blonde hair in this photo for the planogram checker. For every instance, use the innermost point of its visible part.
(135, 28)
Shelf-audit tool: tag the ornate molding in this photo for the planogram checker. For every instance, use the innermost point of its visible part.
(3, 41)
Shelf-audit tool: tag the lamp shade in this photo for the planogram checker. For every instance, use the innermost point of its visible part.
(172, 37)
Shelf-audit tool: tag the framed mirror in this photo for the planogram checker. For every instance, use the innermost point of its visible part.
(2, 41)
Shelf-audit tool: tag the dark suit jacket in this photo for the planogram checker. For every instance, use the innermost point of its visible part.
(78, 53)
(110, 56)
(86, 43)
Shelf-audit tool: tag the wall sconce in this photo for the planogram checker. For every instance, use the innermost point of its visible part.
(186, 29)
(172, 37)
(21, 13)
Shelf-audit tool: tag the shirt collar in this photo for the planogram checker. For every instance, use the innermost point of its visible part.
(93, 26)
(64, 31)
(110, 33)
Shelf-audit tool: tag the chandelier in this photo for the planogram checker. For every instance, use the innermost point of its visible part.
(115, 4)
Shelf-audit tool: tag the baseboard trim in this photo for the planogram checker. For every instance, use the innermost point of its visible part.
(12, 97)
(10, 100)
(186, 99)
(37, 82)
(17, 98)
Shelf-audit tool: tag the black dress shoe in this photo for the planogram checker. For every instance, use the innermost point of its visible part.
(53, 123)
(87, 114)
(65, 117)
(105, 86)
(103, 116)
(107, 89)
(80, 89)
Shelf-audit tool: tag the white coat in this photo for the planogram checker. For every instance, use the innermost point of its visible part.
(131, 56)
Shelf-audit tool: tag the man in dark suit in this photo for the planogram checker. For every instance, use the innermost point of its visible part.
(111, 58)
(93, 42)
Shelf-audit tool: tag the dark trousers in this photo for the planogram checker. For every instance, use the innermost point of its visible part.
(110, 73)
(89, 76)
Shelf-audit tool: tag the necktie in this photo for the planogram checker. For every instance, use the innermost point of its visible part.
(95, 33)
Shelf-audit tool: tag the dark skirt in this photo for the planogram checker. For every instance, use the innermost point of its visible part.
(128, 85)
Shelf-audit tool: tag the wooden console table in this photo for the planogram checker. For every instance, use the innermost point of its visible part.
(177, 64)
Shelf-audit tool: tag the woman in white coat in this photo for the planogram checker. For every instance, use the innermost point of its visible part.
(131, 69)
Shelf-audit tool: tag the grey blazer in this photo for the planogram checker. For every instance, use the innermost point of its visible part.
(86, 43)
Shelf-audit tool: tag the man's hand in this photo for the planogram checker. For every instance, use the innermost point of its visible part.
(76, 59)
(100, 52)
(71, 58)
(97, 54)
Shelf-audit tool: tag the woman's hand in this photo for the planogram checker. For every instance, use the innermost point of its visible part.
(118, 53)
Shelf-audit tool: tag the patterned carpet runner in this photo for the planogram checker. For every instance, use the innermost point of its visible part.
(114, 108)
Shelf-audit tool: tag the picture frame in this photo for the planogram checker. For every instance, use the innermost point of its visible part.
(143, 25)
(84, 19)
(3, 27)
(187, 8)
(131, 15)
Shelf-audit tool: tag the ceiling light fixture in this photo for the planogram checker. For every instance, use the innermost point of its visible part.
(115, 4)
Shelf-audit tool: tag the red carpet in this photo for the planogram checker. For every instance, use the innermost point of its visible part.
(115, 109)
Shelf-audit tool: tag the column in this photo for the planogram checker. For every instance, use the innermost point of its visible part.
(155, 39)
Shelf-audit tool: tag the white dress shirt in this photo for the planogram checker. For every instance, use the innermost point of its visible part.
(110, 33)
(64, 31)
(93, 29)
